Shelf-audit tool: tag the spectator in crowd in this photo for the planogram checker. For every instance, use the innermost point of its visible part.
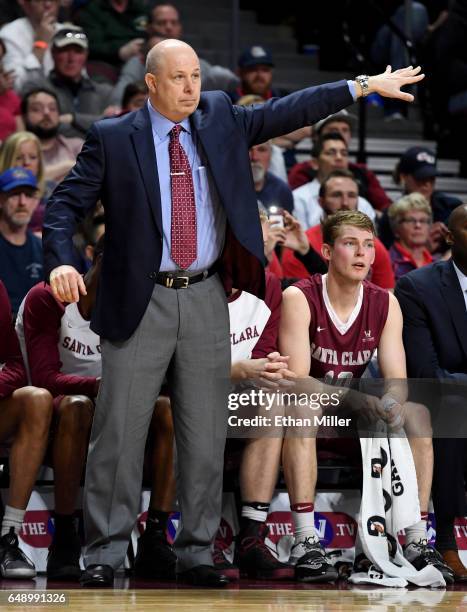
(25, 415)
(133, 70)
(28, 39)
(270, 190)
(24, 149)
(134, 96)
(10, 102)
(416, 172)
(389, 47)
(339, 191)
(165, 21)
(410, 219)
(255, 66)
(369, 186)
(20, 251)
(434, 305)
(81, 100)
(282, 148)
(329, 153)
(116, 29)
(41, 116)
(288, 234)
(276, 163)
(212, 77)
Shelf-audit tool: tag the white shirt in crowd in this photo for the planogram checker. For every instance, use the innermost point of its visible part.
(307, 208)
(18, 36)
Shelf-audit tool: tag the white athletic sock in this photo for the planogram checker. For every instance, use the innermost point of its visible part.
(13, 517)
(416, 532)
(303, 516)
(255, 511)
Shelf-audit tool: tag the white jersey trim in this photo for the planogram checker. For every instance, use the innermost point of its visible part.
(341, 327)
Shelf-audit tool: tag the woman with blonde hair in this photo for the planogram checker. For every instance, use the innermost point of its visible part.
(410, 218)
(24, 149)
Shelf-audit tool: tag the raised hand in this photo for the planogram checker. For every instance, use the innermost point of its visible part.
(295, 237)
(388, 84)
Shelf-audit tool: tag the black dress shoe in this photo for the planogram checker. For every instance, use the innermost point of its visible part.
(97, 576)
(155, 559)
(63, 559)
(203, 575)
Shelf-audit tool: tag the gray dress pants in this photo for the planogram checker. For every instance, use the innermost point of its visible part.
(184, 333)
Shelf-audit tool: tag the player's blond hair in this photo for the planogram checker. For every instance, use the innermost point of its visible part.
(331, 226)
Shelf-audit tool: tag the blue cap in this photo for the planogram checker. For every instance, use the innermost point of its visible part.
(255, 55)
(419, 162)
(17, 177)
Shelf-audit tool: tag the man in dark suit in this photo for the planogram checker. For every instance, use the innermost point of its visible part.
(181, 214)
(433, 300)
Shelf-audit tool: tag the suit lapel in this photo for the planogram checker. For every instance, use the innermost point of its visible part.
(143, 144)
(199, 122)
(455, 302)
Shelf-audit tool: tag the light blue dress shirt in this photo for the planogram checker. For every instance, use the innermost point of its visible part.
(210, 214)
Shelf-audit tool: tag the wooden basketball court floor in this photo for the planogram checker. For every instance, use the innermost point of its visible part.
(244, 596)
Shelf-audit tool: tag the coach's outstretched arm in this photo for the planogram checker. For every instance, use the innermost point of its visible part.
(278, 116)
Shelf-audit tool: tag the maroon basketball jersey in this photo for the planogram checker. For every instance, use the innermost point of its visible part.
(340, 352)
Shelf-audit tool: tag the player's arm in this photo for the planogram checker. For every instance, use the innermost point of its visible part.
(391, 360)
(41, 319)
(294, 331)
(12, 374)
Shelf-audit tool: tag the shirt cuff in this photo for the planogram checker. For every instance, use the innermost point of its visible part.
(352, 89)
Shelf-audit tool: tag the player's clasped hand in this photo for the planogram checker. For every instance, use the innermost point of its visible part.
(396, 417)
(67, 284)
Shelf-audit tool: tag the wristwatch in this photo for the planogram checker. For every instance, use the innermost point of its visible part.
(362, 80)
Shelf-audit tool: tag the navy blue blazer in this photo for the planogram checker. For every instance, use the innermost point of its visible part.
(118, 166)
(435, 322)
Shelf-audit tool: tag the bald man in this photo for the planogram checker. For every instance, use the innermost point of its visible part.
(433, 300)
(182, 228)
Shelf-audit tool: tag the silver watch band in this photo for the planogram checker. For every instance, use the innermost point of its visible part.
(362, 80)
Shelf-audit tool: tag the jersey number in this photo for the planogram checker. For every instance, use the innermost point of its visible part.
(341, 380)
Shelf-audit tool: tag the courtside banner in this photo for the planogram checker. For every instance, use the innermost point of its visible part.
(335, 521)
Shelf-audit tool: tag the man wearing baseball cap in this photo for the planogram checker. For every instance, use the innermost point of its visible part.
(416, 171)
(81, 100)
(20, 251)
(255, 66)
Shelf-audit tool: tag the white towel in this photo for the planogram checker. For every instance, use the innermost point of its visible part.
(389, 504)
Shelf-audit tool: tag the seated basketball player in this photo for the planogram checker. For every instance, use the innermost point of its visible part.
(330, 328)
(63, 353)
(25, 414)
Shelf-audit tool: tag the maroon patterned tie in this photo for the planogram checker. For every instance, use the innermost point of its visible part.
(183, 231)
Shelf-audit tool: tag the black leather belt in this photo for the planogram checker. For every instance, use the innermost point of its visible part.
(177, 280)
